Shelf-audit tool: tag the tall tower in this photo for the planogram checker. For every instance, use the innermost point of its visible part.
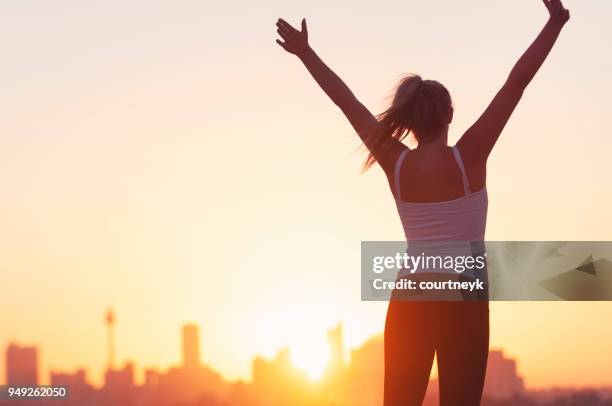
(191, 346)
(110, 326)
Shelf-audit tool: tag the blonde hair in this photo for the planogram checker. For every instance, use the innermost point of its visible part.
(423, 107)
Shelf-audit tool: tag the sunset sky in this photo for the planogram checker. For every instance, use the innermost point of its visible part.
(169, 160)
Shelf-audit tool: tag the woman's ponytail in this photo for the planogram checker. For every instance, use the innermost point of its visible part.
(422, 107)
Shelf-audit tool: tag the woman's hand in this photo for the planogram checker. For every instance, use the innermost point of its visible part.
(558, 13)
(294, 41)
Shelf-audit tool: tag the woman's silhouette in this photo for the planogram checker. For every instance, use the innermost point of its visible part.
(441, 195)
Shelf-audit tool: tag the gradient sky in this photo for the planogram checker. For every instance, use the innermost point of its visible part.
(168, 159)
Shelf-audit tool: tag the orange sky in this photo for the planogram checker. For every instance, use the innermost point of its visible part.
(171, 162)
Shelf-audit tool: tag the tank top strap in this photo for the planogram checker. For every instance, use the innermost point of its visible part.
(398, 167)
(466, 182)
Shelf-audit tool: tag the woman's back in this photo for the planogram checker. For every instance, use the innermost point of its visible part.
(433, 175)
(434, 199)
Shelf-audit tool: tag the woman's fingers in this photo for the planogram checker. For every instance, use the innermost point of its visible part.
(566, 15)
(287, 31)
(282, 26)
(285, 25)
(553, 5)
(557, 5)
(557, 10)
(290, 35)
(284, 35)
(282, 31)
(282, 44)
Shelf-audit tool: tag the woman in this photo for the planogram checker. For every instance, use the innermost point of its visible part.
(441, 195)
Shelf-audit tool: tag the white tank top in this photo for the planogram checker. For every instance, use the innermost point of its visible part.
(462, 219)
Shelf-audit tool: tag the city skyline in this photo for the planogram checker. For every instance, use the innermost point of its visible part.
(17, 354)
(274, 381)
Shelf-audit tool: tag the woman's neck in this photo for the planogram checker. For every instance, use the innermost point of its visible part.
(434, 144)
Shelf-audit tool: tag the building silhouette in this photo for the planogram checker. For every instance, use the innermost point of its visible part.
(119, 386)
(21, 365)
(502, 380)
(119, 380)
(191, 346)
(71, 379)
(189, 382)
(79, 391)
(152, 377)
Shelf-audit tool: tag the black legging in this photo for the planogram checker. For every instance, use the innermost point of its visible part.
(457, 332)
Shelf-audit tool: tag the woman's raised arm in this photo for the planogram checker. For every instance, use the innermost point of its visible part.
(296, 42)
(478, 141)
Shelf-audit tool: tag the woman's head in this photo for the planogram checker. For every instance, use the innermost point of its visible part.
(423, 107)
